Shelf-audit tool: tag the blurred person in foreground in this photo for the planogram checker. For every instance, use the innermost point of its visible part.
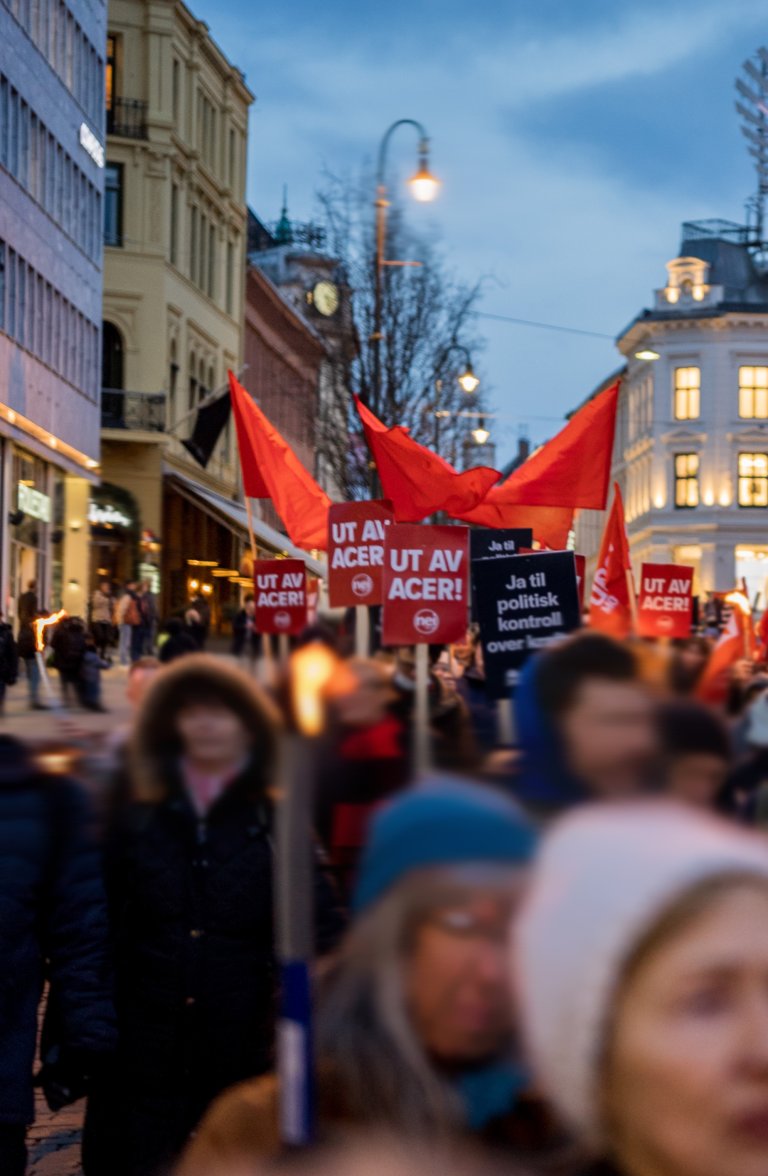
(585, 724)
(9, 661)
(189, 868)
(745, 794)
(363, 763)
(414, 1031)
(53, 925)
(641, 957)
(453, 744)
(695, 752)
(380, 1154)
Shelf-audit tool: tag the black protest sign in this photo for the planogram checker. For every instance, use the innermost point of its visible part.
(490, 543)
(523, 603)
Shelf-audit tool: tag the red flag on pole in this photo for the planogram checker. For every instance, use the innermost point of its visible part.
(612, 604)
(735, 643)
(417, 481)
(550, 524)
(272, 470)
(574, 468)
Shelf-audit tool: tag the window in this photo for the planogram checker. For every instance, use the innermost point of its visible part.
(176, 72)
(229, 276)
(111, 356)
(232, 160)
(193, 243)
(753, 479)
(2, 285)
(113, 204)
(753, 393)
(687, 393)
(109, 75)
(192, 382)
(210, 285)
(686, 480)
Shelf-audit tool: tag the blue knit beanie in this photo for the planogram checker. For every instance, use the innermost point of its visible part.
(441, 824)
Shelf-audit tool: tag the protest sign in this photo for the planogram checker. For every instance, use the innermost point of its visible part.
(356, 533)
(425, 584)
(488, 543)
(665, 602)
(523, 602)
(281, 595)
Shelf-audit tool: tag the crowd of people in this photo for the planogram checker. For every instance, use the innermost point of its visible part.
(549, 955)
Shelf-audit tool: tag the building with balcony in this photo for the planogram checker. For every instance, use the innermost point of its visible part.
(51, 189)
(174, 265)
(691, 449)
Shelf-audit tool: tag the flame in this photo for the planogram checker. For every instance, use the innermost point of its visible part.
(41, 624)
(739, 601)
(311, 669)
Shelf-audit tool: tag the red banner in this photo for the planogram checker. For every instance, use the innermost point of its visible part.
(426, 584)
(356, 532)
(281, 595)
(581, 577)
(665, 601)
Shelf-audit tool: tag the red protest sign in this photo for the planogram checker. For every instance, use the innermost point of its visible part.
(281, 595)
(665, 601)
(356, 533)
(426, 594)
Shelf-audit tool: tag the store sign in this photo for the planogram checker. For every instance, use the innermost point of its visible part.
(281, 595)
(426, 584)
(34, 503)
(106, 515)
(356, 533)
(91, 145)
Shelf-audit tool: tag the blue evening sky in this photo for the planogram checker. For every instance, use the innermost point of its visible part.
(572, 136)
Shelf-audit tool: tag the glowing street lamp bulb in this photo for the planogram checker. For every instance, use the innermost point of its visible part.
(423, 184)
(648, 354)
(468, 380)
(481, 434)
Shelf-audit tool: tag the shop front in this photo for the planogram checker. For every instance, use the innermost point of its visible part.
(114, 525)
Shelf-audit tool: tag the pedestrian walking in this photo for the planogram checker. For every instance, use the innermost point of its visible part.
(177, 642)
(245, 638)
(641, 965)
(90, 676)
(69, 645)
(102, 609)
(148, 607)
(189, 867)
(53, 925)
(9, 660)
(27, 611)
(415, 1032)
(123, 626)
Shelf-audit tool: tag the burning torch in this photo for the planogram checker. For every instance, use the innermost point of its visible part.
(39, 626)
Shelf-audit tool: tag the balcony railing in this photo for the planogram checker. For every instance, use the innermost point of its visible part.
(127, 117)
(143, 411)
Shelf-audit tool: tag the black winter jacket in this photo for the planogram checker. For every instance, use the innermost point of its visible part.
(9, 656)
(52, 910)
(191, 906)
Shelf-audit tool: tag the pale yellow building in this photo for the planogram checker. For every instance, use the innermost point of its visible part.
(174, 264)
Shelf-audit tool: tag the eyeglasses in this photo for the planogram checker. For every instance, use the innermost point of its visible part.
(464, 924)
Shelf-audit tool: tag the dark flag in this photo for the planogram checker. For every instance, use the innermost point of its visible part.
(210, 423)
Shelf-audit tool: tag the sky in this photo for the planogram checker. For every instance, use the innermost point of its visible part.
(572, 138)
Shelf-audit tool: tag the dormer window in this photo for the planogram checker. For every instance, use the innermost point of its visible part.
(687, 280)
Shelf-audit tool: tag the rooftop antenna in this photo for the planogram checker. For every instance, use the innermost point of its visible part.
(752, 106)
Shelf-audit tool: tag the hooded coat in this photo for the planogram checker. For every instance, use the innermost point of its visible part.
(53, 922)
(191, 902)
(543, 784)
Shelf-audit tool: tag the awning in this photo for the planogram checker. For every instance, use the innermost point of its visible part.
(233, 515)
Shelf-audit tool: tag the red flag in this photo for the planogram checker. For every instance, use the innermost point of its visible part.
(612, 602)
(417, 481)
(550, 524)
(272, 470)
(574, 468)
(735, 642)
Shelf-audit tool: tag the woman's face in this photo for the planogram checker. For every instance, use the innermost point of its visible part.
(686, 1083)
(212, 734)
(457, 981)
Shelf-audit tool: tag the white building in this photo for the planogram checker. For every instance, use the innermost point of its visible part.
(691, 450)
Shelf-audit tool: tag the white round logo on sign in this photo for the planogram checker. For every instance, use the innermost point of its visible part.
(362, 585)
(426, 621)
(282, 620)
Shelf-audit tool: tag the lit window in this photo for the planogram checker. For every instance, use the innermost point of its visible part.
(109, 74)
(687, 393)
(753, 479)
(686, 480)
(753, 393)
(113, 204)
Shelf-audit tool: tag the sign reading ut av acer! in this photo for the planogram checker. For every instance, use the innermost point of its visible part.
(426, 584)
(356, 533)
(665, 601)
(281, 595)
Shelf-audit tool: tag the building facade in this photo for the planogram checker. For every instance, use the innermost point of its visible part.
(51, 193)
(175, 243)
(691, 449)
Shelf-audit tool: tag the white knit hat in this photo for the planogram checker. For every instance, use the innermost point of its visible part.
(604, 876)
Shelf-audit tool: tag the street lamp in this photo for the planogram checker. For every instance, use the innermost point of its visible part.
(481, 434)
(424, 187)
